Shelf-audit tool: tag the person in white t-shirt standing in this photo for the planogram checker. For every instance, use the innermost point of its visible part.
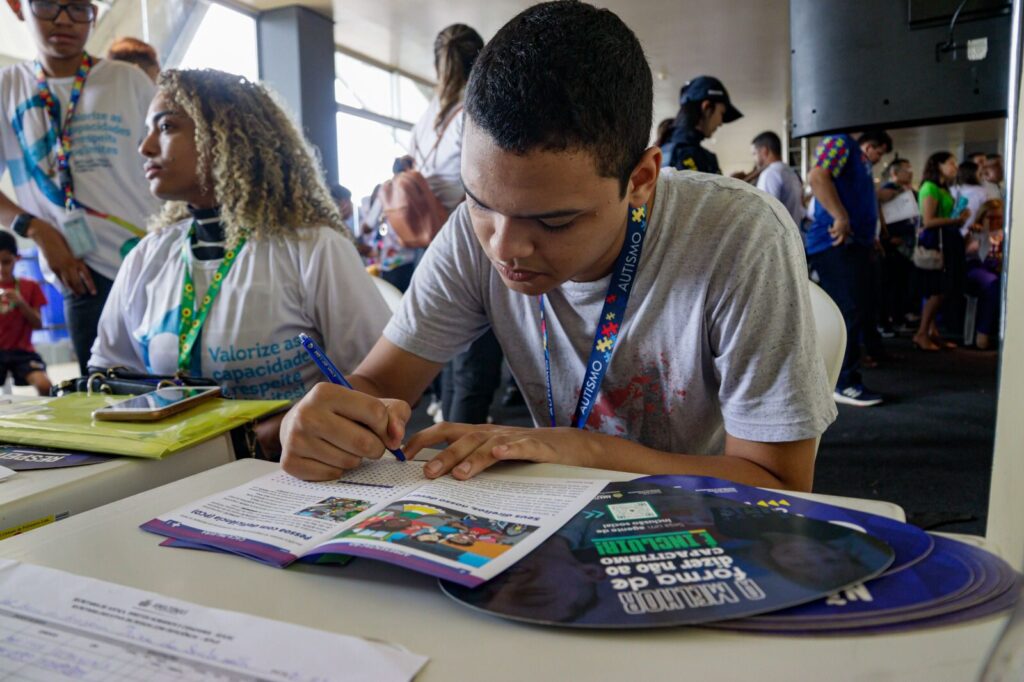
(469, 381)
(249, 252)
(992, 176)
(968, 185)
(70, 123)
(775, 177)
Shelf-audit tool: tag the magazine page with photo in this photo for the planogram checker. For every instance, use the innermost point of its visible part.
(463, 531)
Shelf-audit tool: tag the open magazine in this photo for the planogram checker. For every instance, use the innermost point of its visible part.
(463, 531)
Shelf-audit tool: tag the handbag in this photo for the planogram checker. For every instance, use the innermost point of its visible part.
(412, 210)
(928, 259)
(410, 206)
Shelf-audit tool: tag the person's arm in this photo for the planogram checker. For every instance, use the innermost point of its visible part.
(115, 345)
(887, 194)
(29, 311)
(71, 271)
(770, 181)
(332, 429)
(825, 193)
(474, 448)
(929, 214)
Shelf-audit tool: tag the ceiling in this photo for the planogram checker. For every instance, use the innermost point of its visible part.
(743, 42)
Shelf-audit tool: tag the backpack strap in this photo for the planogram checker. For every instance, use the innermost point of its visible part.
(440, 136)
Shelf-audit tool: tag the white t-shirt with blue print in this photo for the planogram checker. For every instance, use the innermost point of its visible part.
(109, 124)
(313, 282)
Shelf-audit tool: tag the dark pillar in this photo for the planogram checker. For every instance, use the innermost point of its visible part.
(296, 48)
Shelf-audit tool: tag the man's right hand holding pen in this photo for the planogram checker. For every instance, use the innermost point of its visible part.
(360, 427)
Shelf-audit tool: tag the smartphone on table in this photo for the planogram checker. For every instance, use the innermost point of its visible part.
(157, 404)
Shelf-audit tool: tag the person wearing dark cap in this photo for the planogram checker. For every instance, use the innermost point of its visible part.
(703, 106)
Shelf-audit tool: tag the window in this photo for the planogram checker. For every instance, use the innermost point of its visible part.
(377, 109)
(226, 41)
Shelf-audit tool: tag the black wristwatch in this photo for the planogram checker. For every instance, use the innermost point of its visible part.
(21, 223)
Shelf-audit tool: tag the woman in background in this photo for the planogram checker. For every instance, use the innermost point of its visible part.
(939, 230)
(469, 381)
(249, 251)
(968, 192)
(984, 265)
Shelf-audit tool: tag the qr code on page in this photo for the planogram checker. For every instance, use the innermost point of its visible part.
(631, 511)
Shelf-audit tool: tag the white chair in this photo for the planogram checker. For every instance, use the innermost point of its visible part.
(392, 296)
(831, 331)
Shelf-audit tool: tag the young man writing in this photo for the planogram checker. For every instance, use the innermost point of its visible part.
(668, 313)
(69, 124)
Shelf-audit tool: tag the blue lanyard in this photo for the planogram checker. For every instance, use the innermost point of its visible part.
(609, 325)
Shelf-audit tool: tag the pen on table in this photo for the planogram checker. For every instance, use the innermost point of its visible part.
(333, 374)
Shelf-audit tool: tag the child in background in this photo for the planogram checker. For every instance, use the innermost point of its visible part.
(20, 301)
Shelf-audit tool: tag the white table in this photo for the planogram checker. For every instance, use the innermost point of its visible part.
(375, 600)
(31, 499)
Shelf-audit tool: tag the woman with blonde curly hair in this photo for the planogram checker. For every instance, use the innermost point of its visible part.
(248, 251)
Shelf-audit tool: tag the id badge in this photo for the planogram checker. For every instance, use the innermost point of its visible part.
(79, 235)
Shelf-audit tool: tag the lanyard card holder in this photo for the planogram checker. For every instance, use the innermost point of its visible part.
(79, 235)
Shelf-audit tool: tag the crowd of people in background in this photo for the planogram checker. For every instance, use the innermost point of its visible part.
(924, 261)
(895, 258)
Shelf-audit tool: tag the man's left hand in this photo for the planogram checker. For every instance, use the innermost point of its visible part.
(473, 448)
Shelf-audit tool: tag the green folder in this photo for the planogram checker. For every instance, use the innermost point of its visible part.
(67, 423)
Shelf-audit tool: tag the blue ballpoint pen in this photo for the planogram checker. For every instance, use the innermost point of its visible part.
(333, 374)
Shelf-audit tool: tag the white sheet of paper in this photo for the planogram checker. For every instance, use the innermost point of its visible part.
(58, 626)
(901, 207)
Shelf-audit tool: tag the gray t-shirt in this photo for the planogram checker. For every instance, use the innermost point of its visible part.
(781, 182)
(719, 334)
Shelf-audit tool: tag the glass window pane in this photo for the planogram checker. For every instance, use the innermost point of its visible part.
(370, 86)
(226, 41)
(366, 152)
(413, 99)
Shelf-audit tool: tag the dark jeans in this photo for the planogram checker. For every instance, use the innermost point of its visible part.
(954, 270)
(470, 380)
(898, 297)
(984, 284)
(873, 306)
(83, 317)
(400, 276)
(845, 274)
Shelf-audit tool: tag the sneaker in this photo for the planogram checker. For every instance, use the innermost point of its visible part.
(857, 396)
(513, 397)
(434, 408)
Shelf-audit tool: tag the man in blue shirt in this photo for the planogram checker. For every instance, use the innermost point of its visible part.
(841, 237)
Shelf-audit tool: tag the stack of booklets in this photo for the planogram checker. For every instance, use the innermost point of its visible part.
(653, 552)
(933, 581)
(630, 568)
